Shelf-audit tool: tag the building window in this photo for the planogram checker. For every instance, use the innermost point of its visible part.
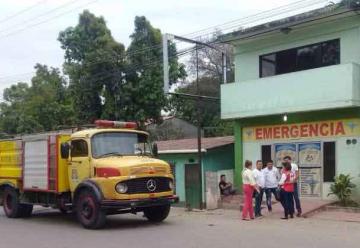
(329, 161)
(79, 148)
(301, 58)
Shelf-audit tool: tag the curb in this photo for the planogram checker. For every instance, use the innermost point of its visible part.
(316, 210)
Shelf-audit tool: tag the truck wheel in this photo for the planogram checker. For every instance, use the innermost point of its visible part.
(12, 207)
(88, 210)
(157, 214)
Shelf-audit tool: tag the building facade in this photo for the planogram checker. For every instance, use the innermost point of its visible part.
(297, 93)
(193, 182)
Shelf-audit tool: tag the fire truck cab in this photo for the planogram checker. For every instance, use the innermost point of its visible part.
(110, 169)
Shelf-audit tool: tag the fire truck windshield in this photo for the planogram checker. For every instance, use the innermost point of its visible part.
(119, 144)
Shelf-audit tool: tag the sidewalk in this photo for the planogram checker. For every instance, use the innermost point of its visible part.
(309, 206)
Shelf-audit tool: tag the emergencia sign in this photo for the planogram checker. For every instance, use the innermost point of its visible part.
(308, 130)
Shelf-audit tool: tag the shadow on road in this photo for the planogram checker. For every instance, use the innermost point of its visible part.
(54, 217)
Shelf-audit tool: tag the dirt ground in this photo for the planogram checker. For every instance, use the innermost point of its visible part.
(218, 228)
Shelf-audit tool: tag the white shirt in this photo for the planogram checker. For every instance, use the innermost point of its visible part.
(272, 177)
(294, 169)
(259, 177)
(248, 177)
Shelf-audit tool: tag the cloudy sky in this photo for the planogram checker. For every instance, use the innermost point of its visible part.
(29, 28)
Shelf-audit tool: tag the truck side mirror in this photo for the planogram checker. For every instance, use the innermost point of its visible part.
(64, 150)
(155, 150)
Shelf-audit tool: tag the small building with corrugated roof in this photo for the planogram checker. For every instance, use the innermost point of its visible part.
(196, 184)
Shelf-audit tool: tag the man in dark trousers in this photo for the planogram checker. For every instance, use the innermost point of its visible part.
(225, 187)
(295, 170)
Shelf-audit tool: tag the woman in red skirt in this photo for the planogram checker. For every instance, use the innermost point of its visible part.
(249, 185)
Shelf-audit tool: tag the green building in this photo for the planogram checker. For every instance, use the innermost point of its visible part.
(190, 177)
(297, 93)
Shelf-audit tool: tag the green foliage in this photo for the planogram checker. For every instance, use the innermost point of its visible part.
(186, 109)
(342, 188)
(144, 97)
(104, 80)
(94, 62)
(42, 106)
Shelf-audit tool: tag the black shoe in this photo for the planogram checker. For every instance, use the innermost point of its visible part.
(292, 216)
(284, 218)
(298, 214)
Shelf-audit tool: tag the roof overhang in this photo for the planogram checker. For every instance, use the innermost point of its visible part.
(292, 22)
(184, 151)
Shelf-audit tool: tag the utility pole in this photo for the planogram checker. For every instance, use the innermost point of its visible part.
(197, 97)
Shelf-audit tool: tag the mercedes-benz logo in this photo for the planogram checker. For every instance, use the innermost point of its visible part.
(151, 185)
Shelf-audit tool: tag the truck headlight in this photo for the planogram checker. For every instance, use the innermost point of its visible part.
(171, 184)
(121, 188)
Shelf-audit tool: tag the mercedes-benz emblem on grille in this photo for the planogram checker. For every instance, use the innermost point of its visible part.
(151, 185)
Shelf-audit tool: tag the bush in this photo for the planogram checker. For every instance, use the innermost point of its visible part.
(342, 188)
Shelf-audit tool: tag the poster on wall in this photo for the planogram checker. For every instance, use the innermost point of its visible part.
(310, 155)
(310, 182)
(283, 150)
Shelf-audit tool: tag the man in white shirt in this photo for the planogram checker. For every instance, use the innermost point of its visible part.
(260, 182)
(272, 177)
(295, 170)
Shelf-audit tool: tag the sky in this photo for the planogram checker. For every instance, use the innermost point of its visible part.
(29, 28)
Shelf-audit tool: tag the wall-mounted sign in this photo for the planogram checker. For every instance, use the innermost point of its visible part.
(310, 182)
(310, 154)
(283, 150)
(309, 130)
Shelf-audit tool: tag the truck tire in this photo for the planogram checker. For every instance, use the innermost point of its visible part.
(88, 210)
(157, 214)
(12, 206)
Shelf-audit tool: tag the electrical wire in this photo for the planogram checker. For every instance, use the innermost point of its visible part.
(46, 20)
(22, 11)
(159, 46)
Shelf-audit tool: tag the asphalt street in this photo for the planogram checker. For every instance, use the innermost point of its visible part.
(50, 229)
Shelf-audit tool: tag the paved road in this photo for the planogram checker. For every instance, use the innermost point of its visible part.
(49, 229)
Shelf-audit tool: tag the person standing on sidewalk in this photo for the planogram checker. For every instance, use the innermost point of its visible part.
(272, 177)
(287, 190)
(249, 185)
(295, 170)
(260, 182)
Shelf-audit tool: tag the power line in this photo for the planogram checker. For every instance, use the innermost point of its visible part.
(282, 8)
(46, 20)
(22, 11)
(256, 18)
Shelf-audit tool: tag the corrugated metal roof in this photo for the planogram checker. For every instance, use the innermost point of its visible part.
(177, 146)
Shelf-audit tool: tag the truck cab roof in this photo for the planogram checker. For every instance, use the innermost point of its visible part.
(88, 133)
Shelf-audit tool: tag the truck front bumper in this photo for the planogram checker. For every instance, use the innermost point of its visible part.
(138, 203)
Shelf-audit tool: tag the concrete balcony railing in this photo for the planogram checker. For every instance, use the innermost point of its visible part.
(323, 88)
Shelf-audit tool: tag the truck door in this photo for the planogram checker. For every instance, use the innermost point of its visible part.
(79, 163)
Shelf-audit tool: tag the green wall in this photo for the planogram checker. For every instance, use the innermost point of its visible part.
(247, 52)
(351, 163)
(221, 158)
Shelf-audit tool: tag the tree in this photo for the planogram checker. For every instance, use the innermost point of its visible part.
(210, 67)
(42, 106)
(186, 109)
(94, 62)
(210, 61)
(144, 97)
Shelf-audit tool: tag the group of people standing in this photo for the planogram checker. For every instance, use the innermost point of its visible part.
(282, 183)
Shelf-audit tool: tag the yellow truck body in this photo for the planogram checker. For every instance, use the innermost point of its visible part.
(94, 172)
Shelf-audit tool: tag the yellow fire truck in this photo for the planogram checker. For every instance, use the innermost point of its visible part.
(110, 169)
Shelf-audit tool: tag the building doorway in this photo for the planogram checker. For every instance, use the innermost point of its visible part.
(193, 193)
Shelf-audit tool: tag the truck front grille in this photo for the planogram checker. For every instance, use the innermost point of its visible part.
(146, 185)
